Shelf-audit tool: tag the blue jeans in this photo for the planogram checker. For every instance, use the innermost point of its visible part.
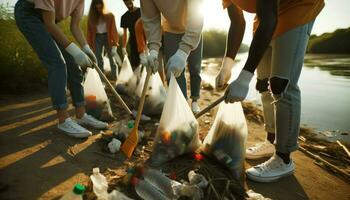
(283, 60)
(171, 44)
(101, 42)
(61, 66)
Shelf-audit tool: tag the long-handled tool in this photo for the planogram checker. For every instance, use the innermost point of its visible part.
(104, 78)
(131, 141)
(215, 103)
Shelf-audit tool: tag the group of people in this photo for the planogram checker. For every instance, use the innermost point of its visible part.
(173, 27)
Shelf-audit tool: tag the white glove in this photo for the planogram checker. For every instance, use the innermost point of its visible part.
(89, 53)
(79, 56)
(113, 51)
(225, 73)
(124, 52)
(176, 64)
(238, 89)
(152, 61)
(143, 59)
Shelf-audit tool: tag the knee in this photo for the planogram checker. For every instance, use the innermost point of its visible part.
(278, 85)
(262, 85)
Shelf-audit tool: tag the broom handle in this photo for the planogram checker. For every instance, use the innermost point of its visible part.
(215, 103)
(104, 78)
(142, 100)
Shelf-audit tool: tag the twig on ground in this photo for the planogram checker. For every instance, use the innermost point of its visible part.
(344, 147)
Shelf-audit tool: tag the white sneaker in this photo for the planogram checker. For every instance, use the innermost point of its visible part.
(71, 128)
(88, 120)
(271, 170)
(195, 107)
(265, 149)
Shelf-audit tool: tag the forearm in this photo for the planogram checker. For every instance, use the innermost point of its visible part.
(236, 31)
(53, 29)
(267, 15)
(125, 38)
(78, 35)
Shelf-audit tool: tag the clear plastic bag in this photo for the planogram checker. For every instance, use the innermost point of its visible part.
(178, 128)
(124, 76)
(97, 102)
(155, 96)
(226, 140)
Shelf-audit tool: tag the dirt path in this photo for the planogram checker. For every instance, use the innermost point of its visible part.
(38, 162)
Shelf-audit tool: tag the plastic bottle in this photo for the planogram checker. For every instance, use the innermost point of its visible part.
(160, 181)
(100, 184)
(75, 194)
(147, 191)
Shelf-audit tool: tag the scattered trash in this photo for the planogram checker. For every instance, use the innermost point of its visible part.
(97, 102)
(197, 179)
(227, 137)
(255, 196)
(124, 129)
(100, 184)
(75, 194)
(191, 191)
(143, 117)
(117, 195)
(147, 191)
(114, 145)
(160, 181)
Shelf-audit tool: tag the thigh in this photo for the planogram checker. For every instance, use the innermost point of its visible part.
(195, 58)
(288, 51)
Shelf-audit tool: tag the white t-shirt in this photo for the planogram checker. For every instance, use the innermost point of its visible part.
(101, 26)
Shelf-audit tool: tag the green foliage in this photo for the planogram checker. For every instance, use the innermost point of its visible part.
(337, 42)
(214, 44)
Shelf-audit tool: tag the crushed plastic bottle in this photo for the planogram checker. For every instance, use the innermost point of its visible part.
(147, 191)
(191, 191)
(117, 195)
(197, 179)
(160, 181)
(114, 145)
(75, 194)
(100, 184)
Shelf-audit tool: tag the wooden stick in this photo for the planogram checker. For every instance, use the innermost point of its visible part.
(344, 147)
(104, 78)
(215, 103)
(142, 100)
(330, 165)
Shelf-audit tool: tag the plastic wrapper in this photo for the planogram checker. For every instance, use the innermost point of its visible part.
(178, 128)
(124, 76)
(97, 102)
(226, 140)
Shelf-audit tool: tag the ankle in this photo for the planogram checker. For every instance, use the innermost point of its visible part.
(271, 137)
(284, 156)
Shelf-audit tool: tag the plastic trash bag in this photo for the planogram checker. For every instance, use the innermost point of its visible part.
(124, 76)
(226, 140)
(97, 102)
(155, 96)
(178, 128)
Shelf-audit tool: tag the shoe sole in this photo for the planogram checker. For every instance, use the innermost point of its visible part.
(269, 179)
(259, 156)
(89, 126)
(75, 135)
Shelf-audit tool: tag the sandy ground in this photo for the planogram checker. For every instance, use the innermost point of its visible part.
(39, 162)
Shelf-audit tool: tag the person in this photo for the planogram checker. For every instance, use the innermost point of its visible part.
(281, 33)
(182, 24)
(127, 22)
(37, 22)
(102, 34)
(143, 50)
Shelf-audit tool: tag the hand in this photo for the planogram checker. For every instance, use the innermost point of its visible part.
(225, 73)
(238, 89)
(79, 56)
(143, 59)
(177, 62)
(114, 51)
(124, 52)
(89, 53)
(152, 61)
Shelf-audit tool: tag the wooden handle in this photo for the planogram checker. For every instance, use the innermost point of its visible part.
(142, 100)
(215, 103)
(104, 78)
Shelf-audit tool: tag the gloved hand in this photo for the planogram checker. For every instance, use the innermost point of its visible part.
(176, 64)
(79, 56)
(152, 61)
(114, 51)
(143, 59)
(124, 52)
(89, 53)
(225, 73)
(238, 89)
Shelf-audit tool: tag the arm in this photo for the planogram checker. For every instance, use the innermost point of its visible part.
(194, 26)
(140, 36)
(114, 32)
(53, 29)
(76, 30)
(236, 31)
(267, 16)
(151, 21)
(125, 37)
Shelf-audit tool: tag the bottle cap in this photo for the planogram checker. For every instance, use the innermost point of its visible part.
(79, 189)
(130, 124)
